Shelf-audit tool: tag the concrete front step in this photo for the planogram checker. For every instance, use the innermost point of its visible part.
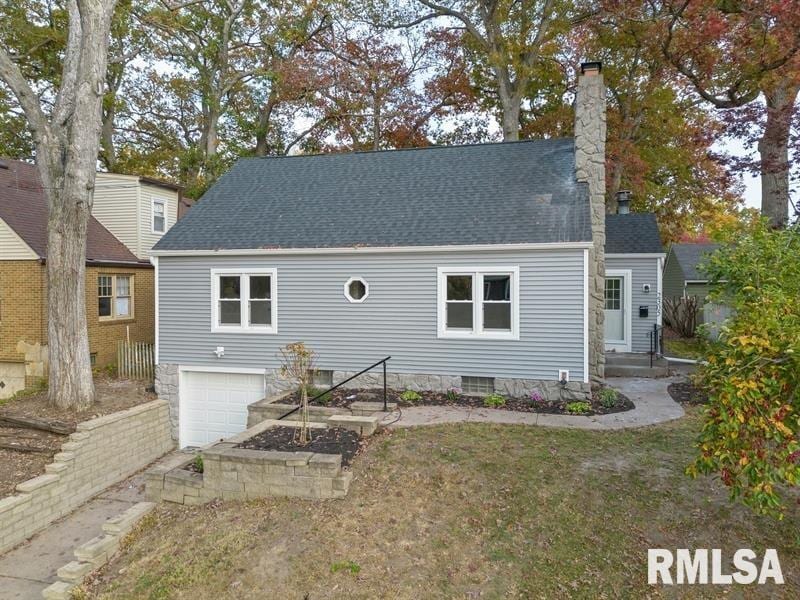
(634, 359)
(613, 370)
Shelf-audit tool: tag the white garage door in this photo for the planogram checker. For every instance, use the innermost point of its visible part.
(214, 405)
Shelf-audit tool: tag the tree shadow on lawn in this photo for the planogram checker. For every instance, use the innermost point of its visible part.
(460, 511)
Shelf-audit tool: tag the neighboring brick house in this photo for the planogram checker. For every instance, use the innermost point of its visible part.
(119, 285)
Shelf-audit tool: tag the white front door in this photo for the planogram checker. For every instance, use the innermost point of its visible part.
(618, 310)
(214, 405)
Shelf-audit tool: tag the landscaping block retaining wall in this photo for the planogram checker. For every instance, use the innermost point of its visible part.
(101, 452)
(232, 473)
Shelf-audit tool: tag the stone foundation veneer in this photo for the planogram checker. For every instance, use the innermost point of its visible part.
(102, 452)
(167, 383)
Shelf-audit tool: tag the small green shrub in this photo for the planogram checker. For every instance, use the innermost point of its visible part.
(608, 397)
(347, 565)
(494, 401)
(453, 394)
(313, 391)
(198, 463)
(410, 396)
(578, 408)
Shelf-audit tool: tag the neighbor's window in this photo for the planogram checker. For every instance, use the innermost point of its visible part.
(479, 302)
(115, 296)
(159, 216)
(356, 289)
(244, 301)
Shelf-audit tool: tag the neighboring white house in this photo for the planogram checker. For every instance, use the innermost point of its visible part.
(137, 210)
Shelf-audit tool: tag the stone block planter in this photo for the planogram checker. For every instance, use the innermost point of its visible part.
(232, 472)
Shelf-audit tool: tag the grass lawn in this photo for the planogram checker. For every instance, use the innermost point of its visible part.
(463, 511)
(694, 348)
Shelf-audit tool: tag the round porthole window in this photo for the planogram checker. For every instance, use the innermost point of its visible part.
(356, 289)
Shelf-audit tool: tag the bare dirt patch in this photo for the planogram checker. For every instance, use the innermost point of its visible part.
(686, 392)
(15, 466)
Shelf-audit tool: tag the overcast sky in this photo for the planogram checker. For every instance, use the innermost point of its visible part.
(752, 191)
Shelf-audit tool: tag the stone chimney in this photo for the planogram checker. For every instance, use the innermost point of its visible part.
(590, 168)
(623, 202)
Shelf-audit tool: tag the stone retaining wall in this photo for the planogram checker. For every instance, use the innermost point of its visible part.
(232, 473)
(102, 452)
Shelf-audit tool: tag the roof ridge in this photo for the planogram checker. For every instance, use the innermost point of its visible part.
(415, 148)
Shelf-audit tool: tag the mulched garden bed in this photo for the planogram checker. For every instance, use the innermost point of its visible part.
(341, 398)
(687, 393)
(333, 440)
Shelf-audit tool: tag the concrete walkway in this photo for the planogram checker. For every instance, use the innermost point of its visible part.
(653, 405)
(30, 567)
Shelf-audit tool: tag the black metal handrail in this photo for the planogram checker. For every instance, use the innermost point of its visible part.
(341, 383)
(656, 336)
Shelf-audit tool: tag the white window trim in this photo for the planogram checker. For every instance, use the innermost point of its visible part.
(347, 290)
(625, 344)
(244, 290)
(115, 316)
(162, 202)
(477, 331)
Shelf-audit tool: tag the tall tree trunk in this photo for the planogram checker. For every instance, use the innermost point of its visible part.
(70, 383)
(510, 101)
(376, 122)
(774, 150)
(66, 150)
(264, 119)
(108, 152)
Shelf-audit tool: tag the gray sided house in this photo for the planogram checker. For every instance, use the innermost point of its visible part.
(470, 266)
(683, 276)
(634, 260)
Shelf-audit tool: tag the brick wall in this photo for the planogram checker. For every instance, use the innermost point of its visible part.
(23, 314)
(104, 335)
(22, 289)
(101, 452)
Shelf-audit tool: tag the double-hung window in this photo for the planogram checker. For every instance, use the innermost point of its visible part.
(159, 215)
(479, 302)
(244, 301)
(114, 297)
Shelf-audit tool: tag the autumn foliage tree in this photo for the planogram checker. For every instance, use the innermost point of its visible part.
(751, 434)
(743, 53)
(372, 95)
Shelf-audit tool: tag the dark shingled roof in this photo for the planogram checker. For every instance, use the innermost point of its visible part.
(690, 256)
(23, 206)
(506, 193)
(633, 233)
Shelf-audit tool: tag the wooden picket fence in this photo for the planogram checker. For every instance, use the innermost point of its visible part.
(135, 360)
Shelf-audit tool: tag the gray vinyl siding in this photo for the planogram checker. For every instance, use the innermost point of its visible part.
(643, 270)
(399, 318)
(673, 278)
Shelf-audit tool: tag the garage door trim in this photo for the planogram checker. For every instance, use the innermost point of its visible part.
(183, 369)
